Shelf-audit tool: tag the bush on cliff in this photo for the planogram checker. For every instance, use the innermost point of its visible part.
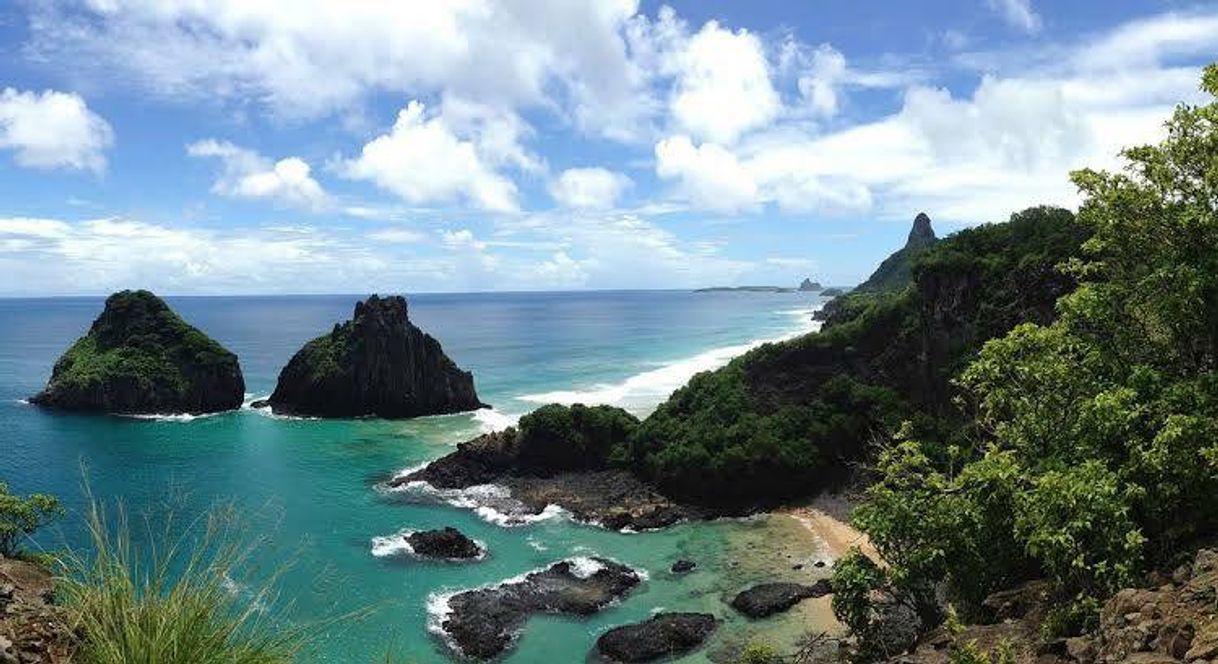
(21, 517)
(576, 437)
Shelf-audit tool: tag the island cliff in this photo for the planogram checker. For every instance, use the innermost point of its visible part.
(377, 363)
(139, 357)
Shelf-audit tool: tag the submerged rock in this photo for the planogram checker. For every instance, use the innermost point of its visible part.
(683, 566)
(377, 363)
(446, 543)
(484, 622)
(663, 635)
(139, 357)
(767, 599)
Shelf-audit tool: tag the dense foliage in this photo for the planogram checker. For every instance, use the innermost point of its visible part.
(1095, 452)
(20, 517)
(557, 437)
(786, 418)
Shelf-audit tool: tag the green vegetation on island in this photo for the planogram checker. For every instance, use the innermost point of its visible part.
(141, 357)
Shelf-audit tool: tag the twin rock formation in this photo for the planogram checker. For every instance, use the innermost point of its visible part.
(139, 357)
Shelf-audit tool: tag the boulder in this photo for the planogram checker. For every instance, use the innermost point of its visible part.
(683, 566)
(139, 357)
(663, 635)
(446, 543)
(378, 363)
(767, 599)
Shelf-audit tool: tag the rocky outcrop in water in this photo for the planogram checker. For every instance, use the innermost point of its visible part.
(767, 599)
(558, 456)
(378, 363)
(807, 285)
(482, 623)
(445, 544)
(663, 635)
(139, 357)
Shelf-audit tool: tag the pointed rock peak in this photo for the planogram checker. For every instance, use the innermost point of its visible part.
(921, 234)
(393, 307)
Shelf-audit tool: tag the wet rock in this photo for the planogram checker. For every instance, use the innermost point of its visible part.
(663, 635)
(484, 622)
(446, 543)
(767, 599)
(683, 566)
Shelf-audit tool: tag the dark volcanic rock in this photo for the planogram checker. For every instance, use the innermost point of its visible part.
(612, 498)
(683, 566)
(663, 635)
(482, 623)
(559, 456)
(139, 357)
(769, 598)
(377, 363)
(809, 286)
(447, 543)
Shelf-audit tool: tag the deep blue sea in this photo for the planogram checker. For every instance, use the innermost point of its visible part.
(309, 486)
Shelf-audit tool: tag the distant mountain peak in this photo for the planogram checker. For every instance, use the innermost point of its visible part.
(921, 235)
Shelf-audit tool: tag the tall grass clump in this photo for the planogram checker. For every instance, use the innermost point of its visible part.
(175, 600)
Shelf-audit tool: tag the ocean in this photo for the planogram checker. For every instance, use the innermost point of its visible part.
(309, 487)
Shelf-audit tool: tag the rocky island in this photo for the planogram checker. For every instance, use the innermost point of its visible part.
(139, 357)
(378, 363)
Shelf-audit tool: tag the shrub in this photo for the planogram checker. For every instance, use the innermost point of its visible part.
(21, 517)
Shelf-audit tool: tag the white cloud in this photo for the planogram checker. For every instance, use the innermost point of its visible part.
(53, 129)
(310, 58)
(597, 188)
(1018, 13)
(421, 160)
(561, 271)
(723, 85)
(708, 175)
(247, 174)
(462, 239)
(398, 236)
(819, 85)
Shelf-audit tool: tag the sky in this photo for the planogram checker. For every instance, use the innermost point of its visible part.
(311, 146)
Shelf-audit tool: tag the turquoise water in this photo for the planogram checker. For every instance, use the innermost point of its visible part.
(309, 486)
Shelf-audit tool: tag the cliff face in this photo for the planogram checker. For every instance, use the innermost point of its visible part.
(140, 357)
(786, 418)
(377, 363)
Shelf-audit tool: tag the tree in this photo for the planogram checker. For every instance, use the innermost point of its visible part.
(20, 517)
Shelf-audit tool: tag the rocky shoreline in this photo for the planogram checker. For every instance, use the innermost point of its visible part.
(610, 498)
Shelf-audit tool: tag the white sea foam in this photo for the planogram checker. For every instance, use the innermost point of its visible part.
(169, 417)
(641, 392)
(491, 502)
(583, 567)
(491, 420)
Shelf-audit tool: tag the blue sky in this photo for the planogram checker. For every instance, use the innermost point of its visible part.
(306, 146)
